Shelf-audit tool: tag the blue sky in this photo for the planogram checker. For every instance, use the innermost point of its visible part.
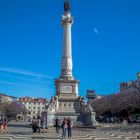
(105, 41)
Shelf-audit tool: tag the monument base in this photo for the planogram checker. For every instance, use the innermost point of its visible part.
(67, 103)
(79, 119)
(50, 119)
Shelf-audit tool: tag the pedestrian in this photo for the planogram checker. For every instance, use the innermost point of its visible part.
(1, 123)
(57, 124)
(5, 122)
(64, 127)
(70, 125)
(44, 124)
(34, 125)
(38, 125)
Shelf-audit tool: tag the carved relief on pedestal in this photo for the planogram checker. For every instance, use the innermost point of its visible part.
(68, 107)
(66, 89)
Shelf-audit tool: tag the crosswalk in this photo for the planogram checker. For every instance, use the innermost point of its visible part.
(102, 133)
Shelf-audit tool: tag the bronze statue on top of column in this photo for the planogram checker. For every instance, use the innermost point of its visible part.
(67, 6)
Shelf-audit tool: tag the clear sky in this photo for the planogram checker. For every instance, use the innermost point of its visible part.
(105, 39)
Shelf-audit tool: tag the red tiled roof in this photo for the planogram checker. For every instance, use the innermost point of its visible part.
(29, 99)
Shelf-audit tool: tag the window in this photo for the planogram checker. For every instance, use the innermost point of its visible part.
(38, 107)
(42, 107)
(34, 107)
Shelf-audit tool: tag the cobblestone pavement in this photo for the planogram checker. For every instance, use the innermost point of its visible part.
(104, 132)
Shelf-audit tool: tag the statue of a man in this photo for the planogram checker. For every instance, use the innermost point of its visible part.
(67, 6)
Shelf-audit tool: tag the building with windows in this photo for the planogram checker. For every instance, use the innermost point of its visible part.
(6, 98)
(131, 86)
(34, 106)
(91, 96)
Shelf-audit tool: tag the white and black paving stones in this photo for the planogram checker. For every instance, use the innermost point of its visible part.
(104, 132)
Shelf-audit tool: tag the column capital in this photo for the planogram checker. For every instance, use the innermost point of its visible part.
(67, 19)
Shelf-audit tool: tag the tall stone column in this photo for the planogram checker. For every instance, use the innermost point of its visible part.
(66, 66)
(68, 102)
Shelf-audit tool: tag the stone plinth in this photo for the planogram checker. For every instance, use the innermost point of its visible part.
(67, 103)
(66, 88)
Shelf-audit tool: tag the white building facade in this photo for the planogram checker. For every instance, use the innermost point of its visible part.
(6, 98)
(34, 106)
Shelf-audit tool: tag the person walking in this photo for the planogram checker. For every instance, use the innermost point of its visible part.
(5, 122)
(44, 124)
(34, 125)
(64, 128)
(57, 124)
(1, 123)
(70, 125)
(38, 125)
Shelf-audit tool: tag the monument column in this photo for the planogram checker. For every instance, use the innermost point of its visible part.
(66, 85)
(67, 102)
(66, 66)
